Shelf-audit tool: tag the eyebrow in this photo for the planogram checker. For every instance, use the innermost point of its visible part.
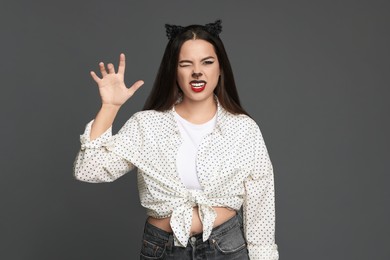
(188, 61)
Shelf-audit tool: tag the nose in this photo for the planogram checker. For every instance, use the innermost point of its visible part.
(196, 74)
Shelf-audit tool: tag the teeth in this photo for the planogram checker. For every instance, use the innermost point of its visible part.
(197, 84)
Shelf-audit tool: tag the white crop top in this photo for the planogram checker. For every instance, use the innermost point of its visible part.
(192, 136)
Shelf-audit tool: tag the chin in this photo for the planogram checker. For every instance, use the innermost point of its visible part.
(200, 96)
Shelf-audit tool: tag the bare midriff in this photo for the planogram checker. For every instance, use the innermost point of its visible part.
(223, 214)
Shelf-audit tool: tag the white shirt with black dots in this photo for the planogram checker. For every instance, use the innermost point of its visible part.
(232, 164)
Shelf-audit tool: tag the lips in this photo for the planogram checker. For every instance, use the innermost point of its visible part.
(198, 85)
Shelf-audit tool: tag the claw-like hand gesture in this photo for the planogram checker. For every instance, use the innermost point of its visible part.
(112, 88)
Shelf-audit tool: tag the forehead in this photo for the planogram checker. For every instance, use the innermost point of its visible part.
(196, 49)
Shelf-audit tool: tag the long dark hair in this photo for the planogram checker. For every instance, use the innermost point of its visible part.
(165, 91)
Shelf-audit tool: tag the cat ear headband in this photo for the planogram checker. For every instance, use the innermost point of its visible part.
(214, 28)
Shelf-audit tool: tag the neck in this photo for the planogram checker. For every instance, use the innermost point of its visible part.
(197, 112)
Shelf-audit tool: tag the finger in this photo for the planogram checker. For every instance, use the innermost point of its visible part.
(94, 76)
(110, 67)
(102, 69)
(135, 87)
(122, 64)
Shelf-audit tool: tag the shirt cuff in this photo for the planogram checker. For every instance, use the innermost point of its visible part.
(263, 252)
(85, 141)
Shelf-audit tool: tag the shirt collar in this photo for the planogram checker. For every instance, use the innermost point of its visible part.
(221, 114)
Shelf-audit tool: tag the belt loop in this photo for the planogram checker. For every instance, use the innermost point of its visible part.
(241, 217)
(170, 242)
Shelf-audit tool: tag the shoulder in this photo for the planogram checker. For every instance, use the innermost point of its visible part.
(241, 127)
(150, 115)
(241, 122)
(150, 120)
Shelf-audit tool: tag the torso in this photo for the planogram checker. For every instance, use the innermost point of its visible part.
(223, 214)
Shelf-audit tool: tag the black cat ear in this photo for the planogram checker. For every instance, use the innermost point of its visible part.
(173, 30)
(214, 28)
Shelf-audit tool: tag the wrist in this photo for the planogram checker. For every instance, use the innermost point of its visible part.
(111, 107)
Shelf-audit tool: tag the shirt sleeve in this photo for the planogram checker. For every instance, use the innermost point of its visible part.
(102, 159)
(259, 205)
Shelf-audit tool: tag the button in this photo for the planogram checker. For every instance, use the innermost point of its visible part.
(193, 239)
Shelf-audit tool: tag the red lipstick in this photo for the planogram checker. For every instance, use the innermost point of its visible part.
(198, 85)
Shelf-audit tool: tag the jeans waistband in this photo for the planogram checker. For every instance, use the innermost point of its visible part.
(217, 231)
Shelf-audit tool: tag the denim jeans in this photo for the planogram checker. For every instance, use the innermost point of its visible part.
(225, 242)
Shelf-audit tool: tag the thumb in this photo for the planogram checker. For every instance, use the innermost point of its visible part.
(135, 87)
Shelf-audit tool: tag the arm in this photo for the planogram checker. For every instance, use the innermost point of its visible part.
(259, 206)
(97, 161)
(114, 94)
(107, 157)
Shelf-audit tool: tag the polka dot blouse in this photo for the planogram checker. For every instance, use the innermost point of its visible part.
(232, 163)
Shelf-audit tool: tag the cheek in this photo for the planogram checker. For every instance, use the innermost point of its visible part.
(180, 79)
(182, 74)
(178, 75)
(216, 74)
(216, 70)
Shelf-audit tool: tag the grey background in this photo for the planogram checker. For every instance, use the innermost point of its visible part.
(313, 74)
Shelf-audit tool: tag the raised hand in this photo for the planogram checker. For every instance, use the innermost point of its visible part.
(112, 88)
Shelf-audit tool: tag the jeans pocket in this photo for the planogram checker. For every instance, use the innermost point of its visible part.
(152, 250)
(230, 242)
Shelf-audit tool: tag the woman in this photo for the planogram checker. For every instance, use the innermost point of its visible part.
(199, 156)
